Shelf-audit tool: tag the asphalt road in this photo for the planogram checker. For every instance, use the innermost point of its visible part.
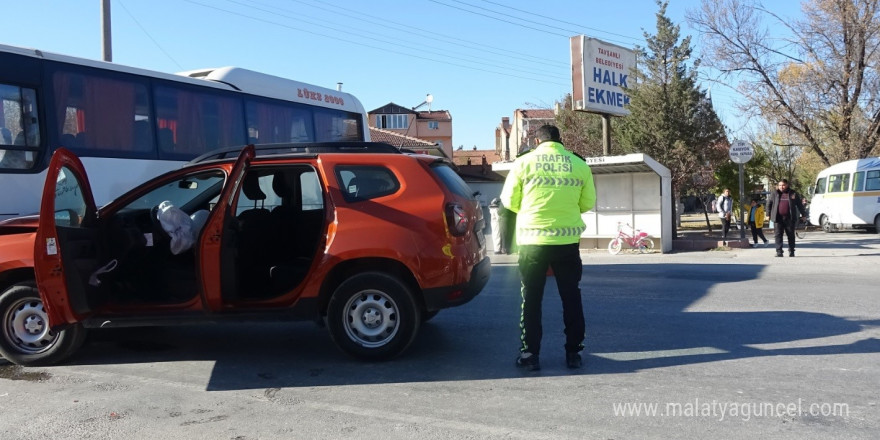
(719, 344)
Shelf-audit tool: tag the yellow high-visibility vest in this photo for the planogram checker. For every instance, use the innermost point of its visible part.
(549, 188)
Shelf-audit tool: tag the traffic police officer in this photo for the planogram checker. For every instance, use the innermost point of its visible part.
(549, 188)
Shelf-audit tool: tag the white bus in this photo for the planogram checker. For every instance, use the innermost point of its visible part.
(847, 196)
(128, 124)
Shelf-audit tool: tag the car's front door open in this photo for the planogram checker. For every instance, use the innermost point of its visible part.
(216, 268)
(66, 246)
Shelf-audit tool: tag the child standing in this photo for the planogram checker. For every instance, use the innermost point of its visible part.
(756, 222)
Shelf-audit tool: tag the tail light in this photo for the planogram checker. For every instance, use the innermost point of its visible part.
(457, 219)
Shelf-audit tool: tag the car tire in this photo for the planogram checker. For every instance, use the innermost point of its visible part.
(373, 316)
(25, 337)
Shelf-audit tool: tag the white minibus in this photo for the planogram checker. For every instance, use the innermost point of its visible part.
(847, 196)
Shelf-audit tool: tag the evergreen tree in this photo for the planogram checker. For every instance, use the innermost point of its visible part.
(671, 119)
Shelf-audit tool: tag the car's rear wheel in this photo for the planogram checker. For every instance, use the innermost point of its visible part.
(373, 316)
(25, 336)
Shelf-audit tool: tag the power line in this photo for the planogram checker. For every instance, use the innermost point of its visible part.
(368, 45)
(499, 19)
(148, 34)
(563, 21)
(531, 69)
(458, 41)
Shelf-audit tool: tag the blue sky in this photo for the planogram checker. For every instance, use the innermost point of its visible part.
(480, 59)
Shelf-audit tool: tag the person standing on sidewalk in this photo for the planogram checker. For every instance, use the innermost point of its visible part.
(724, 206)
(784, 207)
(549, 188)
(756, 222)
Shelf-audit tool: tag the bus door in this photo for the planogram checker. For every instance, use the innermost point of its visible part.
(66, 249)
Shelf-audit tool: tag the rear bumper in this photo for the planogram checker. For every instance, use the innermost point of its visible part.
(451, 296)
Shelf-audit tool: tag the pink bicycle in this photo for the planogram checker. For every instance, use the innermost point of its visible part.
(635, 238)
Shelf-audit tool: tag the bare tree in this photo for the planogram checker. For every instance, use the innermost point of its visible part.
(821, 85)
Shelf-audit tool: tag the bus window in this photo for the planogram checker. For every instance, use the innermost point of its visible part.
(192, 123)
(859, 181)
(271, 123)
(838, 183)
(19, 127)
(872, 182)
(820, 186)
(102, 114)
(333, 126)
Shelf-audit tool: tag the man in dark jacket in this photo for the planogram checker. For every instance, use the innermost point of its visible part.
(784, 207)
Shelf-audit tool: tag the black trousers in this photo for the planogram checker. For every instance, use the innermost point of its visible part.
(757, 232)
(565, 260)
(784, 224)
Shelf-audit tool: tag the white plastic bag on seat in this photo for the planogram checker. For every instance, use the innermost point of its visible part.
(178, 225)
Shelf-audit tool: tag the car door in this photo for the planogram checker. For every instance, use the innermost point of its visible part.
(215, 247)
(66, 248)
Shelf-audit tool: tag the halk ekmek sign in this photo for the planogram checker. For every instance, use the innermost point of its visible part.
(600, 74)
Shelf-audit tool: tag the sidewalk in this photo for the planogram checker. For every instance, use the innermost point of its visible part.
(693, 236)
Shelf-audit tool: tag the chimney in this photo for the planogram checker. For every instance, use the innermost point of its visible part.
(505, 123)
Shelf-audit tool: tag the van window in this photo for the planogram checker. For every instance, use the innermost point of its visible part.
(872, 182)
(820, 185)
(859, 181)
(838, 183)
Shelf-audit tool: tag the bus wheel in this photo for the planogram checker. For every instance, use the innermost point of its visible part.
(25, 336)
(877, 224)
(826, 224)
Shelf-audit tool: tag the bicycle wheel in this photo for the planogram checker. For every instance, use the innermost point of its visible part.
(801, 229)
(646, 245)
(614, 246)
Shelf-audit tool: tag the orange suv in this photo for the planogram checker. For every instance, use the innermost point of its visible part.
(368, 239)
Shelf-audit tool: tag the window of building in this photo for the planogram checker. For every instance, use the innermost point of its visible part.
(392, 121)
(433, 125)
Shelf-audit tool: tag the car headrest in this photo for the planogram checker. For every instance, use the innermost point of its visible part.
(281, 185)
(251, 187)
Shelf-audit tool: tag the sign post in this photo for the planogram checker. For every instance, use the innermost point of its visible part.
(740, 153)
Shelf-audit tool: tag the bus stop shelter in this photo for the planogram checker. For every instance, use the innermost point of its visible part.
(633, 190)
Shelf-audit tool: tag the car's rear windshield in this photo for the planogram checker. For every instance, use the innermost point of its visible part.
(452, 180)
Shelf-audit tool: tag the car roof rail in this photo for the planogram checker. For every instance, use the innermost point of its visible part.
(300, 148)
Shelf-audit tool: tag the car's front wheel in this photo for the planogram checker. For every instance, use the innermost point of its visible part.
(25, 337)
(373, 316)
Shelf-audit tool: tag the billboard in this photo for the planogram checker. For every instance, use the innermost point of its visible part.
(600, 74)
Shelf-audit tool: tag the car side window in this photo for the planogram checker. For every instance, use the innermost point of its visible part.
(70, 205)
(366, 182)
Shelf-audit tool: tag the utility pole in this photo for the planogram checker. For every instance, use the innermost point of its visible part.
(106, 41)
